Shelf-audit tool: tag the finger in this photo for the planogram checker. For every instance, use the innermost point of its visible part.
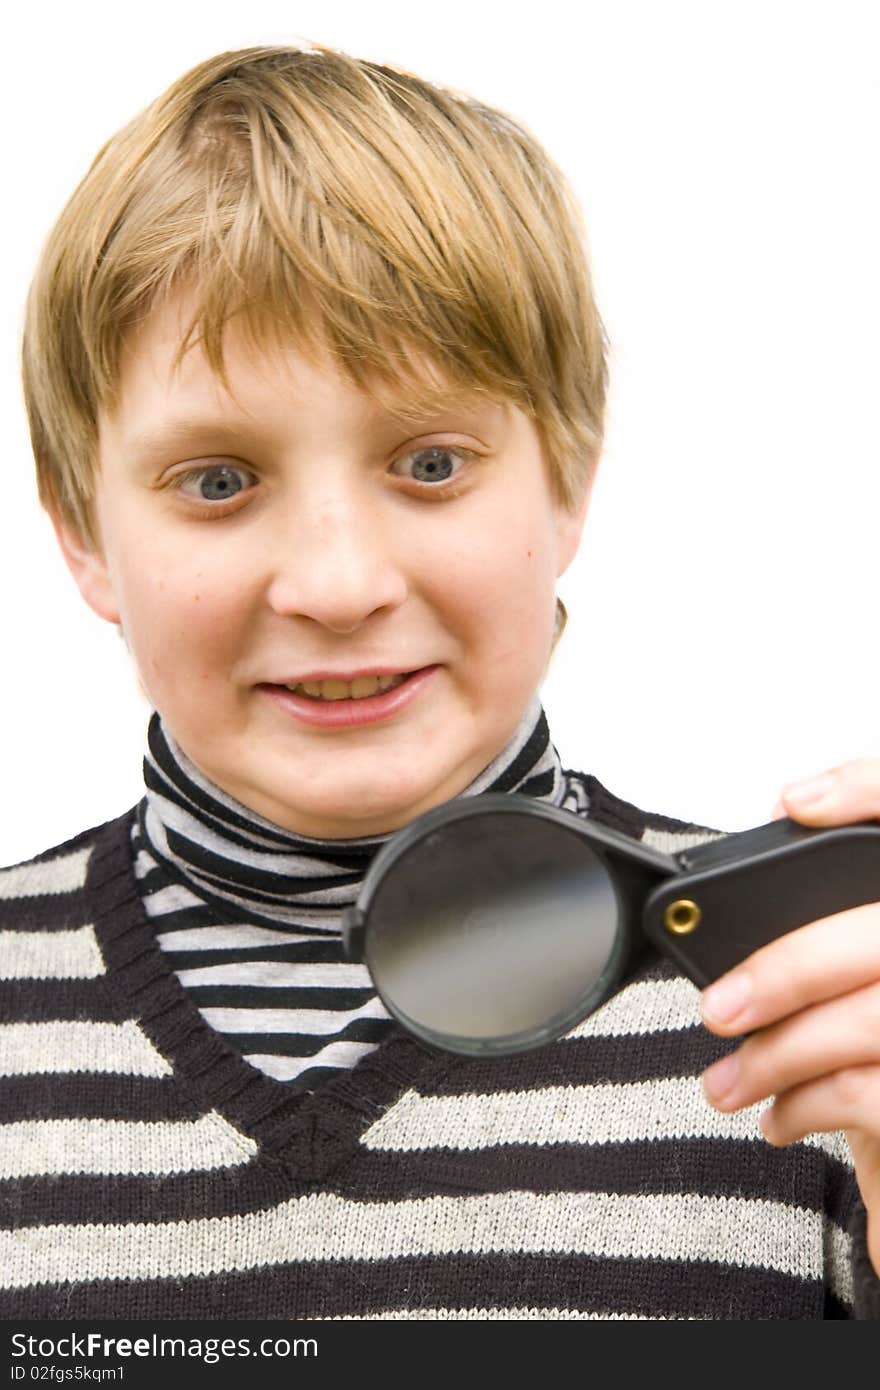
(840, 1034)
(829, 1105)
(846, 1100)
(826, 958)
(865, 1149)
(866, 1152)
(845, 793)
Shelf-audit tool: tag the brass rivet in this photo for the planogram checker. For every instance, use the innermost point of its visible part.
(681, 917)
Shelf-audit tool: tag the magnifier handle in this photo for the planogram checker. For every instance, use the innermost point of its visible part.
(744, 890)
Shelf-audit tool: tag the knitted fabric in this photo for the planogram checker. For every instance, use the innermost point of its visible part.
(249, 914)
(148, 1171)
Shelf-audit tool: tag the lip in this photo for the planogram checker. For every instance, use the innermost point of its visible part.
(350, 714)
(324, 675)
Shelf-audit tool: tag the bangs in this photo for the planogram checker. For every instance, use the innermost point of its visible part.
(423, 243)
(358, 236)
(399, 373)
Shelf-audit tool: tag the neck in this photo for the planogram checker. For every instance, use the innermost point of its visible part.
(226, 852)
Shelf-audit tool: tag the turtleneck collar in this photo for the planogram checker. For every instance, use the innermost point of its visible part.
(228, 854)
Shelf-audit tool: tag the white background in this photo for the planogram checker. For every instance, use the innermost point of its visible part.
(722, 637)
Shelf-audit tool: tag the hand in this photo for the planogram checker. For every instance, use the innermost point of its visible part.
(813, 996)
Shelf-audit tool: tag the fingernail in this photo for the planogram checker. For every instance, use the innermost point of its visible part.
(728, 997)
(720, 1079)
(810, 790)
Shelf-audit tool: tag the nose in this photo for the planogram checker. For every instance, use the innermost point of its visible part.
(337, 563)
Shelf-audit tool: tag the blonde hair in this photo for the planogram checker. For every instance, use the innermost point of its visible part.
(334, 202)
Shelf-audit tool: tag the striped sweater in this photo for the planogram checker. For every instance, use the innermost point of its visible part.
(148, 1171)
(250, 914)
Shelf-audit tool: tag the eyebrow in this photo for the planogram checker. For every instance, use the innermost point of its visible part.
(195, 431)
(181, 432)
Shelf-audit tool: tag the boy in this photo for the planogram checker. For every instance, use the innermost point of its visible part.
(316, 388)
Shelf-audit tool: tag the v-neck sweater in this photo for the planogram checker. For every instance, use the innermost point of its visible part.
(148, 1171)
(250, 914)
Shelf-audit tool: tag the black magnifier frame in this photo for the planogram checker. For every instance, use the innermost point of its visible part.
(495, 924)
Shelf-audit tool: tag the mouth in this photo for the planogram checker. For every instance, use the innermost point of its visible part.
(359, 689)
(334, 704)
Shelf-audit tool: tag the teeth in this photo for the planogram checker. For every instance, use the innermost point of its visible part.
(336, 690)
(347, 690)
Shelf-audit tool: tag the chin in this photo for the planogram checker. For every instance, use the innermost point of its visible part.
(347, 817)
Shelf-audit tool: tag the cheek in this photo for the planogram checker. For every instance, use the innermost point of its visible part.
(503, 589)
(178, 617)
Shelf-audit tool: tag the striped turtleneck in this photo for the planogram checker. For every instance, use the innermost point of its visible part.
(249, 913)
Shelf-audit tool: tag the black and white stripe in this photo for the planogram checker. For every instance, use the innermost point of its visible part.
(147, 1172)
(249, 914)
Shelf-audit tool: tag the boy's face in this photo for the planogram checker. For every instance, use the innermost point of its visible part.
(292, 529)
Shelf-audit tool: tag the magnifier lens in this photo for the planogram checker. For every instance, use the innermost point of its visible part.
(494, 933)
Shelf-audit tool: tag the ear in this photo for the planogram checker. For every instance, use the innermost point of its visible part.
(570, 526)
(89, 569)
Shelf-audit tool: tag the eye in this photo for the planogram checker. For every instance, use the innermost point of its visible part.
(434, 464)
(215, 482)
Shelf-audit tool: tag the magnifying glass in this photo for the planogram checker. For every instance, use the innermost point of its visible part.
(494, 924)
